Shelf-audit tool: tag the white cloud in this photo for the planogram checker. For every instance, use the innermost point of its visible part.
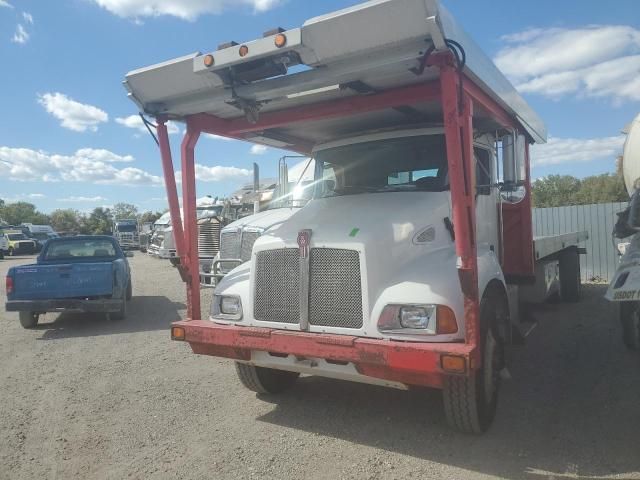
(75, 116)
(134, 121)
(4, 3)
(572, 150)
(593, 61)
(21, 36)
(28, 18)
(184, 9)
(36, 195)
(217, 173)
(83, 199)
(210, 136)
(258, 149)
(86, 165)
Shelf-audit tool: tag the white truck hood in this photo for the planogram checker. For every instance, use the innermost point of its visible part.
(263, 220)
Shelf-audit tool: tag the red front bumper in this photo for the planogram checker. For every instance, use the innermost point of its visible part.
(410, 363)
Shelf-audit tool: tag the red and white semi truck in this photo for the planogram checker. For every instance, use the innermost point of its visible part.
(408, 265)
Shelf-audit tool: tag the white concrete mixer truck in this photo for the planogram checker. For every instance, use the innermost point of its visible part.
(624, 288)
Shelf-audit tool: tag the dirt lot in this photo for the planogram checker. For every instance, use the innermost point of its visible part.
(83, 397)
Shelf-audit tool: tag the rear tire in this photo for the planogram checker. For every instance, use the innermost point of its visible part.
(129, 290)
(570, 284)
(630, 319)
(470, 402)
(120, 314)
(265, 380)
(28, 319)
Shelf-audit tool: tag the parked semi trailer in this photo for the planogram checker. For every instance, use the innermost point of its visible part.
(407, 266)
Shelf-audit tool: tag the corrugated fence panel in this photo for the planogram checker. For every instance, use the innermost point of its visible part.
(598, 220)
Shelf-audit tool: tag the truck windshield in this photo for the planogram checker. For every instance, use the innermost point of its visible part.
(17, 236)
(127, 228)
(98, 248)
(407, 164)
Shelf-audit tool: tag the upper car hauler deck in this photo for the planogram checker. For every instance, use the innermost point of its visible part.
(403, 270)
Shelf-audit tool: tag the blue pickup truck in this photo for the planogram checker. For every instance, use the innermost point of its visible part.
(72, 274)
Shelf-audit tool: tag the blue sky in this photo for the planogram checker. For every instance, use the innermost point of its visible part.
(65, 129)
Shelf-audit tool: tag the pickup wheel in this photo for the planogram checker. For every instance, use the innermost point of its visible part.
(570, 284)
(1, 254)
(28, 319)
(129, 290)
(120, 314)
(630, 319)
(470, 401)
(11, 253)
(265, 380)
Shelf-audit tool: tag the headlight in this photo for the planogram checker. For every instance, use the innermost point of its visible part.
(417, 320)
(416, 317)
(226, 307)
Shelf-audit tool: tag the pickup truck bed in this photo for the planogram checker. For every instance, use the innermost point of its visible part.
(82, 274)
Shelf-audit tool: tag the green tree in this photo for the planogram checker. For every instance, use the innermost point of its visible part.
(150, 217)
(66, 220)
(99, 222)
(554, 191)
(122, 211)
(604, 188)
(22, 212)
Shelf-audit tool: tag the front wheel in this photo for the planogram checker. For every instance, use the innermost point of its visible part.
(28, 319)
(470, 402)
(630, 319)
(265, 380)
(11, 252)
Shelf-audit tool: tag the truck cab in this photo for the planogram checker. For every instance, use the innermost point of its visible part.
(126, 231)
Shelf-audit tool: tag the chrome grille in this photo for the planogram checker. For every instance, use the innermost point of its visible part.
(208, 238)
(248, 239)
(277, 297)
(335, 292)
(230, 245)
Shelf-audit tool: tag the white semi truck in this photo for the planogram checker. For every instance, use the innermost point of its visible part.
(126, 231)
(624, 288)
(407, 267)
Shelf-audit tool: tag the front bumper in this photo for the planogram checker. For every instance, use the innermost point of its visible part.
(64, 305)
(410, 363)
(156, 251)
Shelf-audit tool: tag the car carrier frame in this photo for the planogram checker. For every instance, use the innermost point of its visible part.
(416, 69)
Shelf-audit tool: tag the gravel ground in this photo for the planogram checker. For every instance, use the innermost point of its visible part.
(83, 397)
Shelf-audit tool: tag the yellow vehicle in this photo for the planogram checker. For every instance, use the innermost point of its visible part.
(18, 242)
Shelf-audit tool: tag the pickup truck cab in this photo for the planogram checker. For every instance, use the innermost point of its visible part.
(72, 274)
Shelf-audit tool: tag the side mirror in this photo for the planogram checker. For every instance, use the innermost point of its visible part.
(513, 160)
(128, 254)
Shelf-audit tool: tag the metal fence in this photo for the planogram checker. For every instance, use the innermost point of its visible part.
(598, 220)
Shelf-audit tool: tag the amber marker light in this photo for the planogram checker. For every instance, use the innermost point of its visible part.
(280, 40)
(208, 60)
(446, 321)
(243, 51)
(453, 364)
(178, 333)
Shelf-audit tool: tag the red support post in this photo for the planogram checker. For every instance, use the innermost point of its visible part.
(190, 261)
(170, 184)
(458, 116)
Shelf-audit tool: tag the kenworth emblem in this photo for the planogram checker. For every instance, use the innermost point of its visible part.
(304, 239)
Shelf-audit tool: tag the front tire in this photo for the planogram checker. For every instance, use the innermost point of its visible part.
(470, 402)
(265, 380)
(630, 319)
(11, 252)
(28, 319)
